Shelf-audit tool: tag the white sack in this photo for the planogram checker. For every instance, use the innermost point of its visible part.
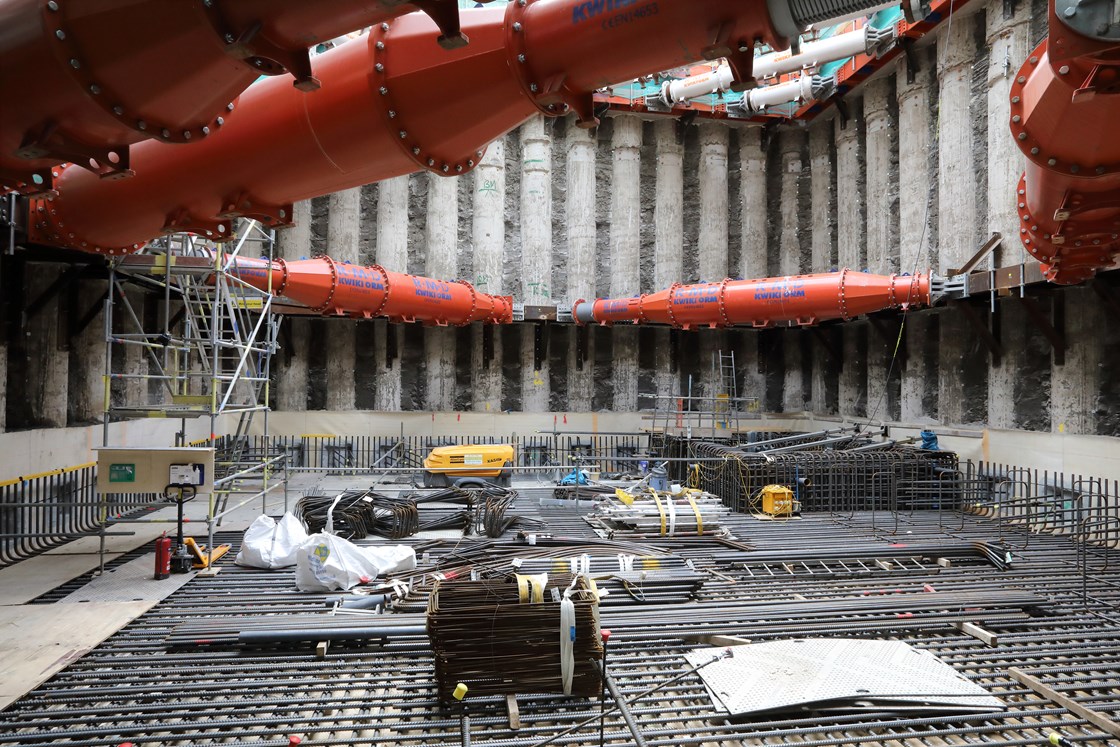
(271, 544)
(328, 563)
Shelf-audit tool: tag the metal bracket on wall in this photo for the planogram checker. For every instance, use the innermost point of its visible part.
(913, 66)
(823, 339)
(540, 345)
(1039, 318)
(78, 324)
(390, 345)
(989, 336)
(488, 332)
(583, 343)
(1107, 294)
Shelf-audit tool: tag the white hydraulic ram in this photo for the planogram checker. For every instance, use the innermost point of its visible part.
(812, 55)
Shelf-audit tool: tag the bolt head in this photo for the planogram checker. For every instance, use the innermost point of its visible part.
(1052, 162)
(74, 63)
(1063, 70)
(95, 89)
(60, 34)
(517, 26)
(384, 27)
(380, 45)
(220, 121)
(165, 132)
(416, 151)
(52, 5)
(379, 67)
(383, 91)
(118, 110)
(403, 134)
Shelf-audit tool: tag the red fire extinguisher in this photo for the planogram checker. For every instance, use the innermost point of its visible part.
(163, 557)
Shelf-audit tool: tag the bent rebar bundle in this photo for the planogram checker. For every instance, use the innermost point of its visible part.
(897, 478)
(500, 637)
(357, 514)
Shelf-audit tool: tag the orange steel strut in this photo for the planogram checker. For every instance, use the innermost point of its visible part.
(391, 103)
(335, 288)
(83, 80)
(795, 299)
(1065, 116)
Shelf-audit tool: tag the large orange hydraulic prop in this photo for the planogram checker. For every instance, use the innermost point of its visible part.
(1065, 116)
(82, 80)
(795, 299)
(394, 102)
(333, 288)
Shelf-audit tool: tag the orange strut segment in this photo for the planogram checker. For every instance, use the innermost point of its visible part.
(335, 288)
(390, 103)
(1065, 110)
(790, 300)
(83, 80)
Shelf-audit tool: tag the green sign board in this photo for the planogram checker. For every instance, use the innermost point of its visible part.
(122, 473)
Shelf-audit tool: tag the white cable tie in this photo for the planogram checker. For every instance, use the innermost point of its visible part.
(672, 516)
(585, 564)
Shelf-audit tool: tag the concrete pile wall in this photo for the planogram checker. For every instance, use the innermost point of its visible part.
(918, 174)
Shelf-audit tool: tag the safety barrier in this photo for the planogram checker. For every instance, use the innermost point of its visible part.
(44, 510)
(320, 452)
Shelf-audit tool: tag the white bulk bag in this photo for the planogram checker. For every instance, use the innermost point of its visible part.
(328, 563)
(271, 544)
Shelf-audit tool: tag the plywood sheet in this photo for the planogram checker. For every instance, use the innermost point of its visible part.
(38, 640)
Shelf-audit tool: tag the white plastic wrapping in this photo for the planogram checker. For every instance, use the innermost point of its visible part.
(271, 544)
(328, 563)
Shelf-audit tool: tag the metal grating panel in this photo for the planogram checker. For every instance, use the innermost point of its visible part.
(837, 673)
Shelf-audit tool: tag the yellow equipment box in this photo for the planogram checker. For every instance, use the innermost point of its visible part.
(777, 500)
(471, 463)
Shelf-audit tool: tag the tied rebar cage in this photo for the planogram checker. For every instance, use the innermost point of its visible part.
(835, 481)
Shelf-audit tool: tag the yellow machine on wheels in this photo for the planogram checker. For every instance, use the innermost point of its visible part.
(471, 464)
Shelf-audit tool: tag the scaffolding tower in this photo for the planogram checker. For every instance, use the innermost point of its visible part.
(713, 411)
(208, 350)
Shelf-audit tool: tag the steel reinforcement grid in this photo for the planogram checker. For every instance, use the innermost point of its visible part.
(134, 688)
(38, 512)
(898, 478)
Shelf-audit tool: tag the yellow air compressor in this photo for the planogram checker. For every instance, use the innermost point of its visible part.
(470, 464)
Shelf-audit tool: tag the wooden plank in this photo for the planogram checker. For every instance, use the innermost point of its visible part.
(38, 640)
(1095, 718)
(945, 562)
(984, 636)
(514, 712)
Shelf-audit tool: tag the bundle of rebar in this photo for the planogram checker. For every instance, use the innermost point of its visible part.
(655, 513)
(514, 636)
(358, 514)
